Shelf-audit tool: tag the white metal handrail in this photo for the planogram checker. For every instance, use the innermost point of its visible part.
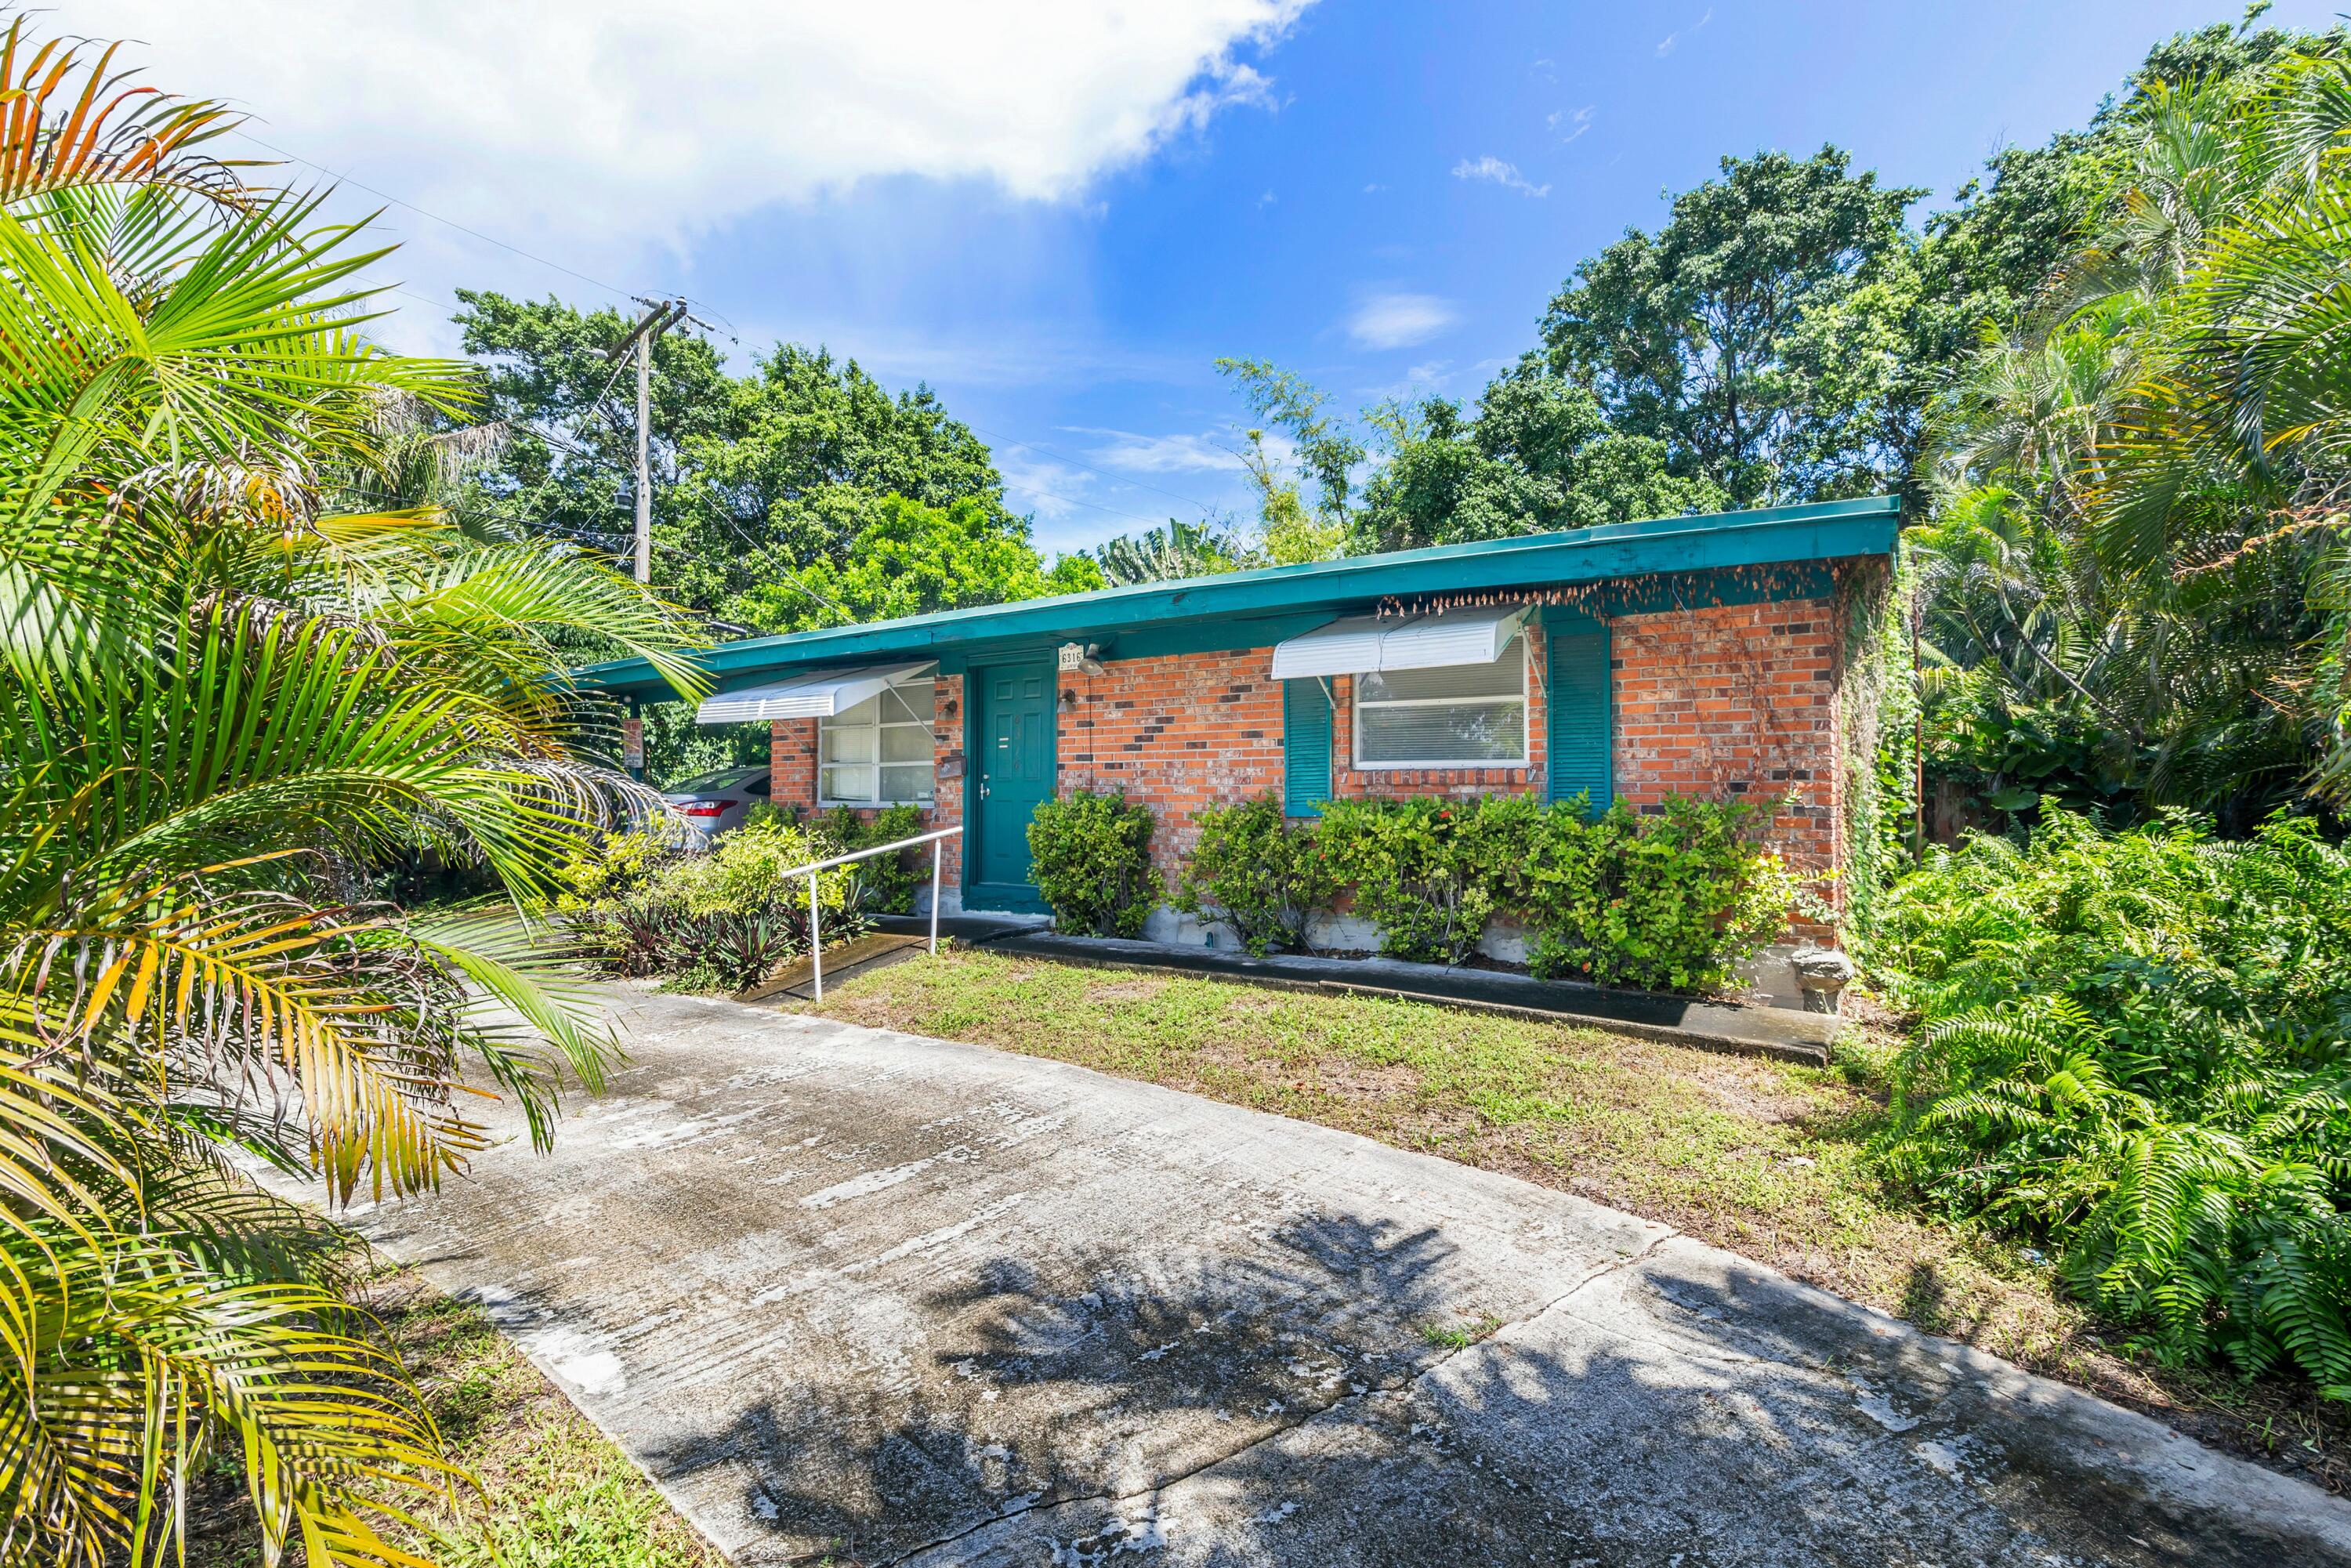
(815, 868)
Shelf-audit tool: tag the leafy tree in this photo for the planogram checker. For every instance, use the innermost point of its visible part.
(1696, 336)
(909, 558)
(1538, 457)
(813, 451)
(1290, 532)
(225, 704)
(756, 477)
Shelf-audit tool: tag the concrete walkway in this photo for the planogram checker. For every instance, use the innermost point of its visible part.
(903, 1300)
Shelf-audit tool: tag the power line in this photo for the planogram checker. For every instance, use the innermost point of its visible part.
(626, 294)
(452, 222)
(1074, 501)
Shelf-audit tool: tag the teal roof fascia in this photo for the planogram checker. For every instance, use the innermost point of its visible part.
(1818, 531)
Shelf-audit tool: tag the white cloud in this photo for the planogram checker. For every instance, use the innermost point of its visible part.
(1577, 122)
(1049, 490)
(1506, 176)
(1374, 188)
(1180, 452)
(581, 120)
(1665, 44)
(1400, 320)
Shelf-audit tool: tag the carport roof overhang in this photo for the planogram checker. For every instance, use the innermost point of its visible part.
(1256, 609)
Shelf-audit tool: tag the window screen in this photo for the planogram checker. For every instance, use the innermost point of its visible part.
(879, 752)
(1457, 715)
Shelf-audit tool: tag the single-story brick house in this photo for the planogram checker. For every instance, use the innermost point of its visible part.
(1695, 654)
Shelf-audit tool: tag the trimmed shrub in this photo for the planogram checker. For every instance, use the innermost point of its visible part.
(1674, 902)
(1258, 874)
(1090, 859)
(1427, 873)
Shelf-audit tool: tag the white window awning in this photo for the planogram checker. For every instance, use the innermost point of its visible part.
(1362, 644)
(820, 695)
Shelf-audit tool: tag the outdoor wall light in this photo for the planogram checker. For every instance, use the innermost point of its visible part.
(1070, 698)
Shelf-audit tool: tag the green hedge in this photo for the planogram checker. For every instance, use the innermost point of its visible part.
(1090, 855)
(1260, 874)
(1673, 901)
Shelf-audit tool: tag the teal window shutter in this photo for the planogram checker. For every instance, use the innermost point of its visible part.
(1580, 690)
(1305, 748)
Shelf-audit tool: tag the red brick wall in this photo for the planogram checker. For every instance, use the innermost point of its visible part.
(1736, 700)
(946, 811)
(791, 763)
(1176, 734)
(1715, 702)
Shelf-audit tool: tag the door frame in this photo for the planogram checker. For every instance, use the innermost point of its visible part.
(1015, 897)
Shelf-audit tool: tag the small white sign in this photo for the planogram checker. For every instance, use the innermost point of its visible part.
(1074, 656)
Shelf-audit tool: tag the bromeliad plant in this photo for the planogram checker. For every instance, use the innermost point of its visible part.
(219, 694)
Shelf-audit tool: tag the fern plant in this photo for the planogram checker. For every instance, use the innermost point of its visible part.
(2137, 1048)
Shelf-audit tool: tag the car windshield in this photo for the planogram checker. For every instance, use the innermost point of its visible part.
(725, 778)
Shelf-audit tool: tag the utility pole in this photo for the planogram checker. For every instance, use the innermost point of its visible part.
(662, 314)
(659, 318)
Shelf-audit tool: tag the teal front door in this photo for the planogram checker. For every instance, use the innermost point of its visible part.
(1012, 772)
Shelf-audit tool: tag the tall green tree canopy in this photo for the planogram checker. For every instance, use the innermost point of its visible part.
(908, 558)
(756, 477)
(1537, 456)
(1705, 335)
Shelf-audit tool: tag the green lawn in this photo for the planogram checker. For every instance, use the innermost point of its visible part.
(555, 1493)
(1760, 1157)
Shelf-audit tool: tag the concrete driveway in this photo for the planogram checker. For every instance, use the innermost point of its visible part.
(897, 1299)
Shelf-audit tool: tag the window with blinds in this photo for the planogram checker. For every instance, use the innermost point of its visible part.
(1457, 715)
(879, 753)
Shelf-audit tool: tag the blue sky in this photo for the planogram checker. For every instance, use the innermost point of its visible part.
(1059, 214)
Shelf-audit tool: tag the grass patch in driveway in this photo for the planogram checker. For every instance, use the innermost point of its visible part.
(555, 1493)
(1760, 1158)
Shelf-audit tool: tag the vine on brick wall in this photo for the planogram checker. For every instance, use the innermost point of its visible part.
(1881, 738)
(1678, 591)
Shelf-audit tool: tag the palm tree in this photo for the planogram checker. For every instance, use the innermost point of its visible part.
(2168, 438)
(219, 700)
